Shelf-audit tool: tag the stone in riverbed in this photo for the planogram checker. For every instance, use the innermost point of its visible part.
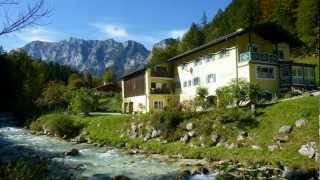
(121, 177)
(72, 152)
(286, 129)
(184, 175)
(201, 170)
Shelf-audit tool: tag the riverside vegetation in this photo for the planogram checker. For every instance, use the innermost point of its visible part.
(229, 139)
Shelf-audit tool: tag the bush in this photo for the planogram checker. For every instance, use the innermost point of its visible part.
(57, 124)
(82, 102)
(167, 122)
(54, 96)
(109, 102)
(237, 115)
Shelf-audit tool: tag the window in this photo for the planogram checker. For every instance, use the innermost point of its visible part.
(265, 72)
(252, 48)
(197, 62)
(185, 84)
(158, 104)
(196, 81)
(211, 78)
(153, 85)
(308, 74)
(161, 69)
(297, 74)
(189, 83)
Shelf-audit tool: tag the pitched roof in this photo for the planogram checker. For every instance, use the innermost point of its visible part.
(269, 31)
(129, 73)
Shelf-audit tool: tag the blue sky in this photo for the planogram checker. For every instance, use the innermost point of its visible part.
(145, 21)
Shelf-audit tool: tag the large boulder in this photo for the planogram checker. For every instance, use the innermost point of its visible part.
(309, 150)
(79, 139)
(72, 152)
(301, 122)
(286, 129)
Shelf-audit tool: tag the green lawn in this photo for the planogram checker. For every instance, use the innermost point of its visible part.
(108, 130)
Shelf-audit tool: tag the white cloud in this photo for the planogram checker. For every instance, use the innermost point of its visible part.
(37, 34)
(112, 30)
(177, 33)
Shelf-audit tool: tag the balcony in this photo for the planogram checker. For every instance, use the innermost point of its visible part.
(160, 91)
(258, 56)
(162, 71)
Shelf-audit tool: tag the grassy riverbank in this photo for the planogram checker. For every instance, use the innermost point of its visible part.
(111, 130)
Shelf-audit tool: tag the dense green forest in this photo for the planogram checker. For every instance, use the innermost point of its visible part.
(31, 87)
(23, 79)
(299, 17)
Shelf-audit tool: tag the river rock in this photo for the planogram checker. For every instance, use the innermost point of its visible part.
(79, 139)
(189, 126)
(286, 129)
(201, 170)
(309, 150)
(301, 122)
(121, 177)
(184, 175)
(72, 152)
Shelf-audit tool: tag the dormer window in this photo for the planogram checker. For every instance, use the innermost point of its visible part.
(252, 48)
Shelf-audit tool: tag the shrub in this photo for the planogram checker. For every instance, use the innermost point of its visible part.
(167, 122)
(200, 100)
(57, 124)
(82, 102)
(54, 96)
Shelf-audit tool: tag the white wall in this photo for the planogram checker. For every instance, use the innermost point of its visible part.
(137, 100)
(224, 68)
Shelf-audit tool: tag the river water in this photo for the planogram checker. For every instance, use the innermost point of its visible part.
(92, 163)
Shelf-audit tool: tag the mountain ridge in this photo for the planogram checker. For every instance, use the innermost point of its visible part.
(91, 56)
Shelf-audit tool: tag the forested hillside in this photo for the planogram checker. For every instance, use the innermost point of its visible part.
(299, 17)
(23, 79)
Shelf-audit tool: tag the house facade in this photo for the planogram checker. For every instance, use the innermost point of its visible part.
(258, 56)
